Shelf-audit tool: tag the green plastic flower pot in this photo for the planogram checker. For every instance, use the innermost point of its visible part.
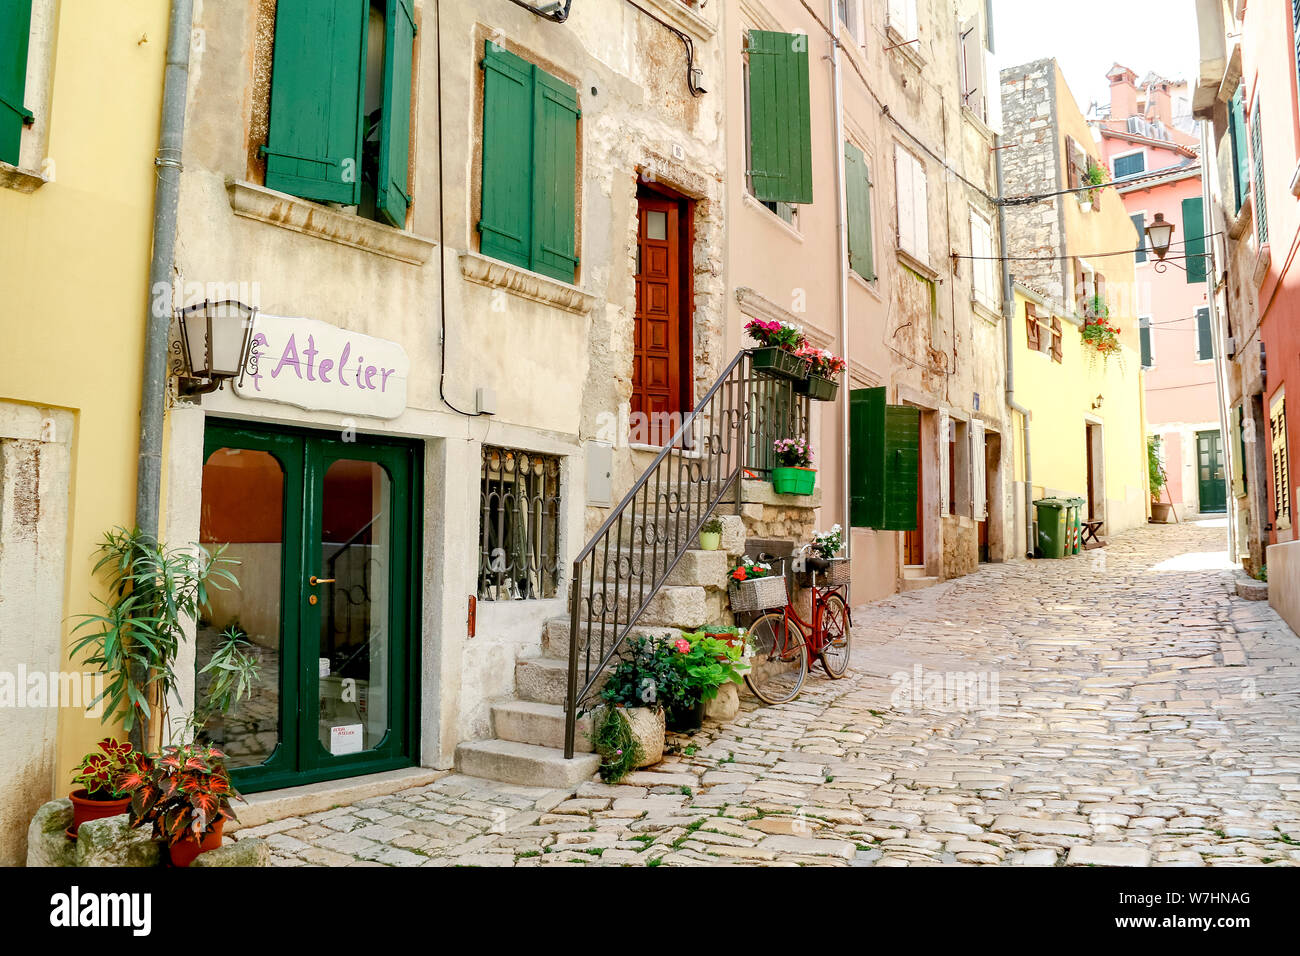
(773, 360)
(818, 389)
(794, 481)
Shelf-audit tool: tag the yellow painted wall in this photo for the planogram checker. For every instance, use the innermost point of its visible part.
(1060, 397)
(75, 270)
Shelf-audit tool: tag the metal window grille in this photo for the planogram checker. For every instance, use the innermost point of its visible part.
(519, 509)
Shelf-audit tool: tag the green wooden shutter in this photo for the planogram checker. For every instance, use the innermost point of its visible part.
(1240, 152)
(1144, 336)
(858, 188)
(780, 117)
(15, 29)
(313, 146)
(1257, 158)
(884, 444)
(1140, 224)
(505, 223)
(392, 192)
(866, 457)
(1204, 340)
(555, 163)
(1194, 236)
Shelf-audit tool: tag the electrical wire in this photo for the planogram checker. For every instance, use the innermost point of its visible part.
(1098, 255)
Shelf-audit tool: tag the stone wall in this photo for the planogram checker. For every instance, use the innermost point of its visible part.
(1030, 165)
(960, 546)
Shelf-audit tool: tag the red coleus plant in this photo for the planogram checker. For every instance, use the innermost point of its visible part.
(99, 768)
(183, 791)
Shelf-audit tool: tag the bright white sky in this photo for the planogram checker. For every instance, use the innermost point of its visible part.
(1086, 38)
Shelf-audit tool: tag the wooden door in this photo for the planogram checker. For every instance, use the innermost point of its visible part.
(913, 540)
(658, 337)
(1091, 469)
(1209, 472)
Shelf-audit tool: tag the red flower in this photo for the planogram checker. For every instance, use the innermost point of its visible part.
(683, 645)
(738, 574)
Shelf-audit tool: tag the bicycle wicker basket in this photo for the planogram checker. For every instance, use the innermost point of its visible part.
(757, 594)
(837, 573)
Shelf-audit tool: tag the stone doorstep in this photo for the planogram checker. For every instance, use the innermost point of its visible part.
(272, 805)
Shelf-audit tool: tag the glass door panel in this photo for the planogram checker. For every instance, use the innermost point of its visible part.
(354, 600)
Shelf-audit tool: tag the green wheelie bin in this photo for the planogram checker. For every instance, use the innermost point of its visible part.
(1053, 516)
(1076, 524)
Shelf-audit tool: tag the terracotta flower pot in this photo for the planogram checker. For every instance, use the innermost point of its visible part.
(84, 808)
(187, 848)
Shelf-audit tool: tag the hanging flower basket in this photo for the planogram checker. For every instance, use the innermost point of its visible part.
(1098, 335)
(824, 370)
(777, 343)
(753, 586)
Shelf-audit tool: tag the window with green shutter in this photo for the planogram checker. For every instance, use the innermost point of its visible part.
(1144, 337)
(1130, 165)
(317, 146)
(884, 450)
(857, 181)
(530, 158)
(1257, 160)
(1204, 338)
(780, 117)
(15, 31)
(1140, 224)
(1194, 239)
(1240, 151)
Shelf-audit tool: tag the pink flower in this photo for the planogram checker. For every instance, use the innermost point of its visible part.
(682, 645)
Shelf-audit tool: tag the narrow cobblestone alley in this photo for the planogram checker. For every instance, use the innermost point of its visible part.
(1128, 711)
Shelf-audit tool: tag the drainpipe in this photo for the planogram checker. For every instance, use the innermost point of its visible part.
(1008, 320)
(842, 235)
(153, 389)
(1216, 337)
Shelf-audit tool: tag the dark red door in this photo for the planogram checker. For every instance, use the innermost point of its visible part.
(658, 334)
(913, 548)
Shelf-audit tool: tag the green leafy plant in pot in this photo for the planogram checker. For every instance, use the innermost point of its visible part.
(711, 534)
(628, 732)
(706, 663)
(98, 795)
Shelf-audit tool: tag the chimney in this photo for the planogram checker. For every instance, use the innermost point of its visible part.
(1158, 103)
(1123, 92)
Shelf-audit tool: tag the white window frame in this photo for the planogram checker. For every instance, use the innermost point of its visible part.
(852, 19)
(984, 288)
(903, 20)
(911, 194)
(1132, 152)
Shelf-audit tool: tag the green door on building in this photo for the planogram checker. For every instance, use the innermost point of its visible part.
(1209, 472)
(326, 533)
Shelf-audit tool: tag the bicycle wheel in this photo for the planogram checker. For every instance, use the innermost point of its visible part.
(837, 636)
(779, 662)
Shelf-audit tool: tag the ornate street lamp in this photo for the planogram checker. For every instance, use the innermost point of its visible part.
(1159, 235)
(215, 337)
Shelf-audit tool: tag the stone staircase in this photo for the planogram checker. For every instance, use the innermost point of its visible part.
(528, 748)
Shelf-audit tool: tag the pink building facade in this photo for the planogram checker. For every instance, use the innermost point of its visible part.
(1155, 164)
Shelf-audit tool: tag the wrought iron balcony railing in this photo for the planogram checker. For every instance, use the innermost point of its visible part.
(625, 564)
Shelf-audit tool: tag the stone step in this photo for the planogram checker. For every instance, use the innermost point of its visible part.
(526, 765)
(695, 568)
(555, 636)
(916, 583)
(532, 722)
(545, 680)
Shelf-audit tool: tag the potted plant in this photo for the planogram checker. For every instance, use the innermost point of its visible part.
(752, 586)
(727, 633)
(629, 730)
(1157, 478)
(154, 594)
(184, 793)
(824, 368)
(1097, 334)
(98, 796)
(1095, 175)
(711, 534)
(777, 343)
(705, 663)
(794, 474)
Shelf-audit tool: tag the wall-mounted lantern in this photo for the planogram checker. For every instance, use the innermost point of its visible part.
(1159, 235)
(1096, 403)
(215, 337)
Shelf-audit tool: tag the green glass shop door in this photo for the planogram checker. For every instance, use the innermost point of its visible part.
(1209, 472)
(326, 533)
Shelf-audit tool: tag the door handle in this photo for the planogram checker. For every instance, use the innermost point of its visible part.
(315, 581)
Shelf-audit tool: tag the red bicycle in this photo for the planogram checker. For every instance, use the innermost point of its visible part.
(784, 644)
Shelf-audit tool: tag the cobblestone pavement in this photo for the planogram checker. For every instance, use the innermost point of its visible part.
(1140, 715)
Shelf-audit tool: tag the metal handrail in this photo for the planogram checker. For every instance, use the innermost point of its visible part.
(728, 433)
